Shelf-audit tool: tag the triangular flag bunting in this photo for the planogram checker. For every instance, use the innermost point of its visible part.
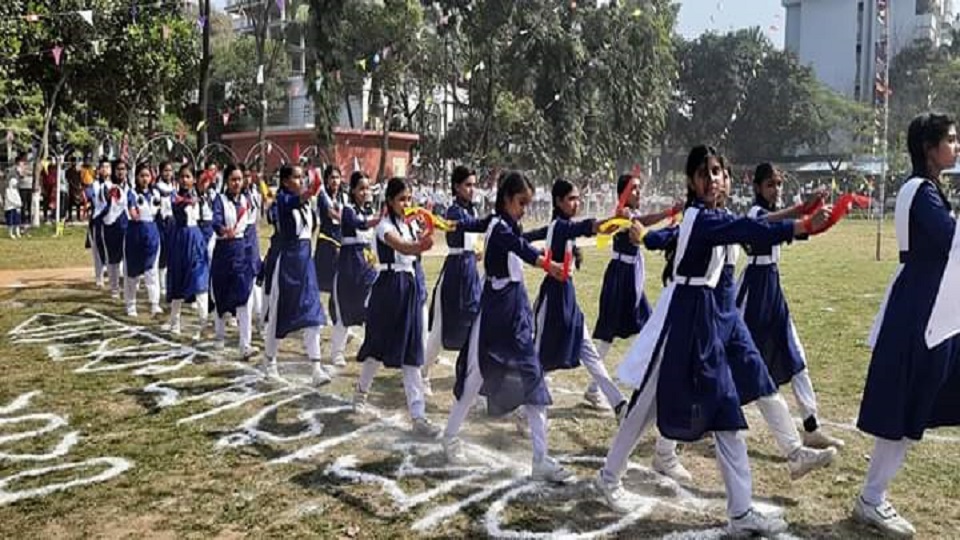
(280, 5)
(362, 63)
(296, 151)
(226, 118)
(87, 15)
(57, 51)
(260, 74)
(201, 125)
(96, 47)
(169, 144)
(32, 18)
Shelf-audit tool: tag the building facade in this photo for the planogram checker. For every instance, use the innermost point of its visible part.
(839, 38)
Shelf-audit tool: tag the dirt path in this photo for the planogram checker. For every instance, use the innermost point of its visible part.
(34, 279)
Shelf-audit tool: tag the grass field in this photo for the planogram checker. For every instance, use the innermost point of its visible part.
(203, 447)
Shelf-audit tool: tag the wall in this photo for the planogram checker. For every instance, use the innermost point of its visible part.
(353, 147)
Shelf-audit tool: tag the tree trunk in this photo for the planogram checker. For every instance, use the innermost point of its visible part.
(346, 100)
(385, 139)
(51, 106)
(202, 139)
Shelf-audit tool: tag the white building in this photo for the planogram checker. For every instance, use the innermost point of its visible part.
(838, 38)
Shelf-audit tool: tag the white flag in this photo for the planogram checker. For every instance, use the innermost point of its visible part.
(87, 15)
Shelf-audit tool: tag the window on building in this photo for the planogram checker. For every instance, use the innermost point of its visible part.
(925, 7)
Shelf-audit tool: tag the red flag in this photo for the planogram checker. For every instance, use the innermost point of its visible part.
(296, 151)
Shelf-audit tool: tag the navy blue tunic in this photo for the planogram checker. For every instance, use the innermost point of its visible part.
(511, 370)
(142, 240)
(326, 253)
(230, 270)
(354, 276)
(188, 270)
(459, 283)
(696, 391)
(764, 308)
(623, 305)
(250, 235)
(394, 327)
(293, 289)
(96, 195)
(559, 321)
(114, 222)
(909, 386)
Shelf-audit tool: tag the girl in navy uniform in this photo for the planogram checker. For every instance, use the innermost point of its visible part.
(293, 301)
(913, 382)
(142, 243)
(331, 200)
(678, 362)
(231, 272)
(115, 224)
(500, 360)
(254, 198)
(749, 372)
(394, 331)
(96, 195)
(456, 296)
(166, 185)
(355, 274)
(562, 339)
(623, 305)
(764, 308)
(188, 268)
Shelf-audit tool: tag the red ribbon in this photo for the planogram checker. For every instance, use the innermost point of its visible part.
(841, 208)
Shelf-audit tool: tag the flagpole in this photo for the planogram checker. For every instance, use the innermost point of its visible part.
(884, 150)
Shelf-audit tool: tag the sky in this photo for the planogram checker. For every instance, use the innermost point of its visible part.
(698, 16)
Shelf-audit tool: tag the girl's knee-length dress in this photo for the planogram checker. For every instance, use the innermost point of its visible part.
(231, 273)
(325, 255)
(294, 298)
(394, 327)
(623, 305)
(508, 361)
(142, 241)
(188, 268)
(355, 275)
(913, 382)
(459, 286)
(115, 222)
(696, 392)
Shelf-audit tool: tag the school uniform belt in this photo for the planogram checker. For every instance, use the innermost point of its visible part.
(629, 259)
(353, 241)
(396, 267)
(691, 281)
(459, 251)
(762, 260)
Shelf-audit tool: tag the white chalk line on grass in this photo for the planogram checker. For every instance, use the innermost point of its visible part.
(52, 422)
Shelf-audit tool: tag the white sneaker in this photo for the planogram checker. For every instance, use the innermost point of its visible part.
(269, 368)
(754, 522)
(248, 353)
(595, 399)
(198, 335)
(156, 311)
(98, 283)
(453, 451)
(806, 459)
(617, 498)
(339, 361)
(549, 470)
(819, 439)
(115, 295)
(319, 375)
(883, 517)
(427, 387)
(172, 327)
(359, 401)
(423, 427)
(671, 467)
(132, 313)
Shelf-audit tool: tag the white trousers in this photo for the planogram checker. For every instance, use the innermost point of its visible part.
(803, 391)
(245, 329)
(412, 385)
(200, 304)
(152, 284)
(536, 414)
(434, 341)
(98, 264)
(593, 362)
(731, 450)
(603, 348)
(114, 271)
(887, 458)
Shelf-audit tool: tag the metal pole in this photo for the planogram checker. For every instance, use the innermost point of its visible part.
(885, 42)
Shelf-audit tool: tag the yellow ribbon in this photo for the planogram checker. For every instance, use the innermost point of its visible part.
(610, 227)
(325, 238)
